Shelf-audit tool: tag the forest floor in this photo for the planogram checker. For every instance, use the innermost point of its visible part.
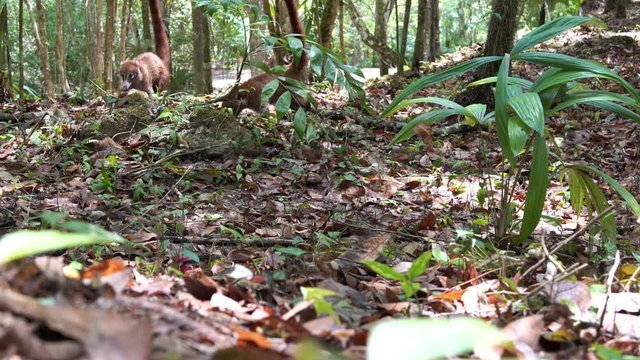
(261, 257)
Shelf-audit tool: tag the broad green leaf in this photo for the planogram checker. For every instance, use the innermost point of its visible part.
(300, 122)
(437, 77)
(577, 190)
(311, 133)
(295, 44)
(316, 59)
(478, 113)
(383, 270)
(567, 62)
(616, 109)
(529, 109)
(607, 223)
(317, 295)
(555, 76)
(502, 117)
(419, 265)
(20, 244)
(428, 118)
(330, 71)
(537, 191)
(460, 110)
(291, 250)
(294, 83)
(518, 135)
(578, 97)
(425, 339)
(525, 84)
(268, 91)
(283, 104)
(624, 194)
(549, 30)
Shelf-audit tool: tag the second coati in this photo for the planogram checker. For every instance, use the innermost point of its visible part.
(248, 94)
(148, 71)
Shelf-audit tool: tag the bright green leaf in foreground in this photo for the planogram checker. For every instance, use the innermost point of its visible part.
(423, 339)
(25, 243)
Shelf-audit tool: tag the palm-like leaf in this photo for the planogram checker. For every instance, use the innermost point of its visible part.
(549, 30)
(437, 77)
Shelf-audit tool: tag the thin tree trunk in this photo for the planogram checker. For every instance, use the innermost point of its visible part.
(60, 48)
(386, 53)
(91, 44)
(433, 30)
(327, 22)
(421, 35)
(146, 25)
(5, 61)
(380, 31)
(197, 16)
(462, 23)
(405, 36)
(110, 25)
(124, 28)
(99, 42)
(341, 37)
(255, 42)
(208, 70)
(542, 15)
(21, 48)
(40, 34)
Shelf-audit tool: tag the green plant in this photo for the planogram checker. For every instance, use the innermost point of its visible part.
(23, 243)
(430, 338)
(320, 304)
(521, 108)
(407, 281)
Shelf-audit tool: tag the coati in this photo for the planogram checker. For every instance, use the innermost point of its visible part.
(247, 94)
(149, 72)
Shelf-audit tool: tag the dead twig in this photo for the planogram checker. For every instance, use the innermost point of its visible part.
(571, 238)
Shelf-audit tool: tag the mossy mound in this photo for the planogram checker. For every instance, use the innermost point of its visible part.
(123, 120)
(130, 113)
(215, 134)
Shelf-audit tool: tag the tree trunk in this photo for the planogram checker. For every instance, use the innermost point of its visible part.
(421, 35)
(254, 41)
(542, 15)
(501, 33)
(21, 49)
(405, 36)
(124, 28)
(341, 21)
(380, 30)
(146, 25)
(462, 23)
(99, 49)
(433, 30)
(5, 63)
(60, 48)
(90, 39)
(198, 23)
(327, 22)
(40, 35)
(386, 53)
(208, 70)
(109, 37)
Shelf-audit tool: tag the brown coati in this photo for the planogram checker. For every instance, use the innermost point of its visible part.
(248, 94)
(149, 72)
